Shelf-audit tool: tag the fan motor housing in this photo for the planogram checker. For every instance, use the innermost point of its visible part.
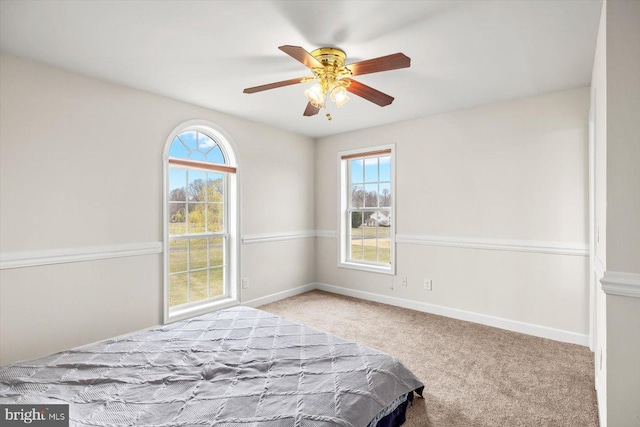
(330, 56)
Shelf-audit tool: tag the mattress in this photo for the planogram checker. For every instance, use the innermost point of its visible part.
(232, 368)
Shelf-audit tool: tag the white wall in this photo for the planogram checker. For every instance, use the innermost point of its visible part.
(514, 171)
(623, 211)
(81, 165)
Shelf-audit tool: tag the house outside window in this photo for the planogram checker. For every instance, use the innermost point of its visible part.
(367, 209)
(200, 221)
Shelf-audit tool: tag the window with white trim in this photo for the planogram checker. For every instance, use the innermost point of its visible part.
(200, 224)
(367, 209)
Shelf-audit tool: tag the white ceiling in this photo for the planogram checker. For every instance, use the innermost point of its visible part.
(463, 53)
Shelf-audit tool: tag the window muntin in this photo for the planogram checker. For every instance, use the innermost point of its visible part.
(197, 225)
(367, 211)
(197, 146)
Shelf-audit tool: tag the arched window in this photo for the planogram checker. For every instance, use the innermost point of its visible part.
(200, 221)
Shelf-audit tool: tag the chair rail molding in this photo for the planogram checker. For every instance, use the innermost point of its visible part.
(535, 246)
(21, 259)
(623, 284)
(276, 237)
(328, 234)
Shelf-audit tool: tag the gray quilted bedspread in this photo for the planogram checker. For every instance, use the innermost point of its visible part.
(235, 367)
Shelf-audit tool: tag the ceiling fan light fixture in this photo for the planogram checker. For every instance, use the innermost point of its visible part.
(339, 96)
(315, 95)
(333, 77)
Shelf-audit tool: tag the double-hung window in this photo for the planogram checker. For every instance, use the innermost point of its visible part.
(199, 225)
(367, 209)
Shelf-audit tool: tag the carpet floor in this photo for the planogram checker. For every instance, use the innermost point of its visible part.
(474, 375)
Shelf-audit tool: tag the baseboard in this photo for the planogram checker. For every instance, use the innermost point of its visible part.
(483, 319)
(601, 399)
(279, 295)
(496, 322)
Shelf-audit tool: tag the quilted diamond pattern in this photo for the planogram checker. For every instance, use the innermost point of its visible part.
(236, 367)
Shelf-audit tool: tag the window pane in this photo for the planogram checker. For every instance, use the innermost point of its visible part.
(215, 187)
(177, 218)
(197, 156)
(356, 171)
(384, 244)
(384, 218)
(370, 250)
(177, 289)
(196, 218)
(189, 140)
(385, 169)
(178, 149)
(216, 282)
(369, 226)
(197, 253)
(198, 285)
(371, 170)
(177, 185)
(356, 221)
(205, 143)
(357, 196)
(371, 195)
(370, 236)
(216, 252)
(369, 219)
(385, 195)
(215, 213)
(356, 247)
(178, 194)
(215, 155)
(356, 235)
(197, 187)
(369, 222)
(384, 254)
(177, 255)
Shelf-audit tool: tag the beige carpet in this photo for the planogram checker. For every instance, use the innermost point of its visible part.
(474, 375)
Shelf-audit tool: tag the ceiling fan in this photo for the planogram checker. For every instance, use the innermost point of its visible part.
(334, 77)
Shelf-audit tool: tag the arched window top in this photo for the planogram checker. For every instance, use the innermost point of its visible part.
(197, 146)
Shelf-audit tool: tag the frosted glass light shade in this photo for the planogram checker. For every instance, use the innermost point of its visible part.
(339, 96)
(315, 95)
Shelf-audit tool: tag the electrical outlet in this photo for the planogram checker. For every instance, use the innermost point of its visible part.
(245, 283)
(404, 282)
(427, 284)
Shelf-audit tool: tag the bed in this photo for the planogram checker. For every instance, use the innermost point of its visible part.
(235, 367)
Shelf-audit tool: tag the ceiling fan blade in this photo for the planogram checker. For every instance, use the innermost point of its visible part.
(384, 63)
(311, 110)
(274, 85)
(299, 54)
(369, 93)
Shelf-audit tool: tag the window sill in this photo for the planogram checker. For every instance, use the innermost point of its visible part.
(185, 313)
(390, 270)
